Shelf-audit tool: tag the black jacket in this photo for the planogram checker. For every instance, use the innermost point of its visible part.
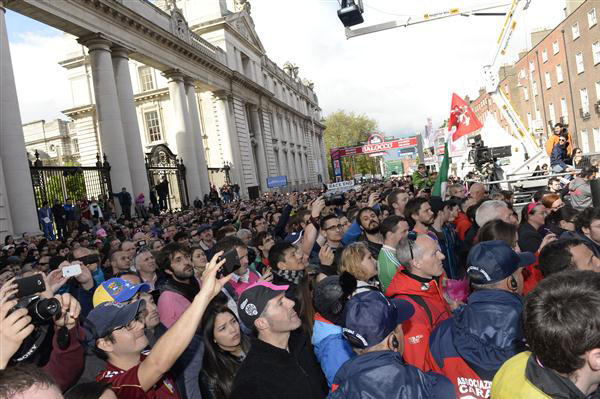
(529, 238)
(270, 372)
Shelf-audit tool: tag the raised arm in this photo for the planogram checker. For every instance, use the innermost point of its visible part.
(172, 344)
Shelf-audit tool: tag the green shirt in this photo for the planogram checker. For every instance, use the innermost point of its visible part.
(388, 264)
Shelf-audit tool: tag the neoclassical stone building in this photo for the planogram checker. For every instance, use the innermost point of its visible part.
(192, 75)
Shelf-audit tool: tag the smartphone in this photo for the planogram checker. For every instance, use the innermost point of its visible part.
(141, 243)
(232, 263)
(72, 270)
(27, 286)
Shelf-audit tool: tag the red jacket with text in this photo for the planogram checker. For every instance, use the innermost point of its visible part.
(418, 329)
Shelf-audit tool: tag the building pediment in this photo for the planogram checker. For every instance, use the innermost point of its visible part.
(242, 23)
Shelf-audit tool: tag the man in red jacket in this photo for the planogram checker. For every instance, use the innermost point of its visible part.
(419, 282)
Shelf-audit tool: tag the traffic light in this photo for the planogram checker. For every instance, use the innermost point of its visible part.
(350, 12)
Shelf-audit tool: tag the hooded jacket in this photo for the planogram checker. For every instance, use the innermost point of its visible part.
(331, 349)
(580, 192)
(419, 327)
(470, 347)
(383, 375)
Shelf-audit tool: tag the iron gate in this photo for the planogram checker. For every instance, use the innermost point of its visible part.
(52, 183)
(160, 161)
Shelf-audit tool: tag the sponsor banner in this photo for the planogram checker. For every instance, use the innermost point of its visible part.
(276, 181)
(378, 147)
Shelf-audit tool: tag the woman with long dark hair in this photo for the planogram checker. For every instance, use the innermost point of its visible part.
(225, 347)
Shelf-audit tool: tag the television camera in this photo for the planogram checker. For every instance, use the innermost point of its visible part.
(484, 158)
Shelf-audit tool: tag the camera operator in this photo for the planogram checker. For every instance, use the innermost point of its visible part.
(22, 337)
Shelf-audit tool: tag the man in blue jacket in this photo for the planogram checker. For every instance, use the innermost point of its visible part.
(373, 326)
(559, 156)
(470, 347)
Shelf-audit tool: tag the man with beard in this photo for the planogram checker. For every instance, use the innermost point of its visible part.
(369, 224)
(397, 201)
(419, 215)
(180, 288)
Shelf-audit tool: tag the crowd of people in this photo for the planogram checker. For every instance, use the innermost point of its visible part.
(382, 292)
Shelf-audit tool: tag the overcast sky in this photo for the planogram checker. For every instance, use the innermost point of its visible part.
(398, 77)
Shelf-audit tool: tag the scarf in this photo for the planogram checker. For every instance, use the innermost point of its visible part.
(292, 276)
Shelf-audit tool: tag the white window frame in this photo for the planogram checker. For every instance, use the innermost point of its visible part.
(552, 113)
(555, 47)
(596, 52)
(591, 16)
(597, 90)
(150, 127)
(559, 74)
(146, 85)
(525, 93)
(564, 110)
(579, 63)
(544, 56)
(596, 137)
(575, 30)
(585, 100)
(547, 80)
(534, 87)
(531, 66)
(585, 141)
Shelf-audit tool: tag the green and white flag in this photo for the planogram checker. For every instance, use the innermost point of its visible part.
(441, 181)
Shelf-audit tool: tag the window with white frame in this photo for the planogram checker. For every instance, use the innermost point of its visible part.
(531, 66)
(548, 80)
(575, 30)
(592, 18)
(598, 90)
(146, 78)
(579, 62)
(564, 113)
(555, 47)
(585, 141)
(74, 146)
(552, 113)
(544, 55)
(529, 121)
(534, 87)
(525, 94)
(596, 137)
(559, 74)
(596, 52)
(585, 101)
(538, 115)
(152, 126)
(522, 74)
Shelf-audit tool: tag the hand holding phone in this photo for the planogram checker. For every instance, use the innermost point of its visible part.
(232, 263)
(72, 270)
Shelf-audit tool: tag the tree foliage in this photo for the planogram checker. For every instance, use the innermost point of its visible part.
(345, 129)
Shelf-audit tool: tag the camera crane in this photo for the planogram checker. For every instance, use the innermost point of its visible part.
(350, 14)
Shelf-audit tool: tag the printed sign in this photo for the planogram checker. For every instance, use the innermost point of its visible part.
(276, 181)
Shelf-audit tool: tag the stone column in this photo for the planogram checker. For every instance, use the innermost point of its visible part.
(183, 132)
(298, 165)
(291, 166)
(324, 166)
(263, 172)
(17, 178)
(190, 91)
(131, 130)
(226, 136)
(108, 111)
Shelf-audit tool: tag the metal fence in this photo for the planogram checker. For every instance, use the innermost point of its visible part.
(51, 183)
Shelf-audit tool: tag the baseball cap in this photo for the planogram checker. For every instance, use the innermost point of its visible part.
(253, 300)
(293, 238)
(327, 299)
(117, 290)
(369, 317)
(108, 316)
(491, 261)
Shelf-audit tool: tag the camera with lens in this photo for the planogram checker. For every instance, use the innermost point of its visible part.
(41, 310)
(334, 200)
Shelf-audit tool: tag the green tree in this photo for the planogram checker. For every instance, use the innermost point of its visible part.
(344, 129)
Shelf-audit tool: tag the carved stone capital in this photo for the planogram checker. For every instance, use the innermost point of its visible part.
(95, 41)
(174, 75)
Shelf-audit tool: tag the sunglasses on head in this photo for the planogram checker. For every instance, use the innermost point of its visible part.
(89, 259)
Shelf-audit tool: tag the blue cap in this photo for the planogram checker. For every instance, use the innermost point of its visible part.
(369, 317)
(293, 238)
(108, 316)
(492, 261)
(203, 228)
(117, 290)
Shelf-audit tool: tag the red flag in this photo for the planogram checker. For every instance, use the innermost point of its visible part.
(462, 118)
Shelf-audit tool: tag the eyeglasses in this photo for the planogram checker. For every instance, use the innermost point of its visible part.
(336, 226)
(132, 324)
(89, 259)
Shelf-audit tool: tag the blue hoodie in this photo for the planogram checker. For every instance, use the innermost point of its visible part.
(331, 349)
